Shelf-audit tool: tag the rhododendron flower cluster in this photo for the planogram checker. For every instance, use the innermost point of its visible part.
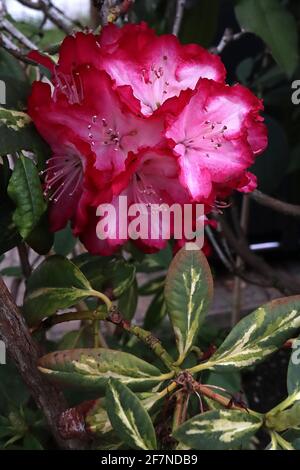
(131, 113)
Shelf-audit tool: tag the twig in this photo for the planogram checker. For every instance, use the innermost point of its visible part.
(23, 255)
(103, 8)
(52, 12)
(237, 290)
(229, 264)
(284, 283)
(15, 33)
(275, 204)
(13, 49)
(145, 336)
(180, 5)
(180, 412)
(227, 38)
(25, 353)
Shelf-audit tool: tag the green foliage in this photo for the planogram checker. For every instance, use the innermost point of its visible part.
(129, 418)
(258, 335)
(270, 20)
(25, 190)
(218, 430)
(144, 398)
(188, 292)
(57, 283)
(107, 272)
(91, 369)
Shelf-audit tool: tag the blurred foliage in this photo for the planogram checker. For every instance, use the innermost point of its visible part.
(266, 59)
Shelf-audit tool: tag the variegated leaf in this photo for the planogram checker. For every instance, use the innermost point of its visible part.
(97, 420)
(91, 369)
(57, 283)
(293, 376)
(18, 133)
(188, 292)
(258, 335)
(283, 420)
(14, 120)
(129, 418)
(218, 430)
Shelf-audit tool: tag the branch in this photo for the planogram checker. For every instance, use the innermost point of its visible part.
(13, 49)
(52, 12)
(275, 204)
(284, 283)
(180, 5)
(229, 263)
(116, 318)
(145, 336)
(25, 353)
(103, 7)
(227, 38)
(24, 260)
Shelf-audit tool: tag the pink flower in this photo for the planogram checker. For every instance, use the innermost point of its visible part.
(150, 179)
(216, 137)
(156, 68)
(129, 113)
(88, 105)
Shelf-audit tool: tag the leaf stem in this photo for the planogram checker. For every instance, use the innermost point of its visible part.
(96, 326)
(180, 413)
(283, 443)
(201, 367)
(289, 401)
(71, 316)
(102, 297)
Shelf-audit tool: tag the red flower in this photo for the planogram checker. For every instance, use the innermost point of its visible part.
(216, 136)
(131, 113)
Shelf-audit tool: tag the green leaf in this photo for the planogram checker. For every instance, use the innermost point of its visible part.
(156, 262)
(12, 271)
(122, 275)
(32, 443)
(285, 419)
(258, 335)
(156, 312)
(274, 157)
(270, 20)
(128, 301)
(11, 67)
(293, 376)
(25, 190)
(17, 133)
(57, 283)
(14, 120)
(153, 286)
(64, 241)
(129, 418)
(188, 293)
(9, 235)
(90, 369)
(218, 430)
(41, 239)
(72, 339)
(107, 272)
(13, 392)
